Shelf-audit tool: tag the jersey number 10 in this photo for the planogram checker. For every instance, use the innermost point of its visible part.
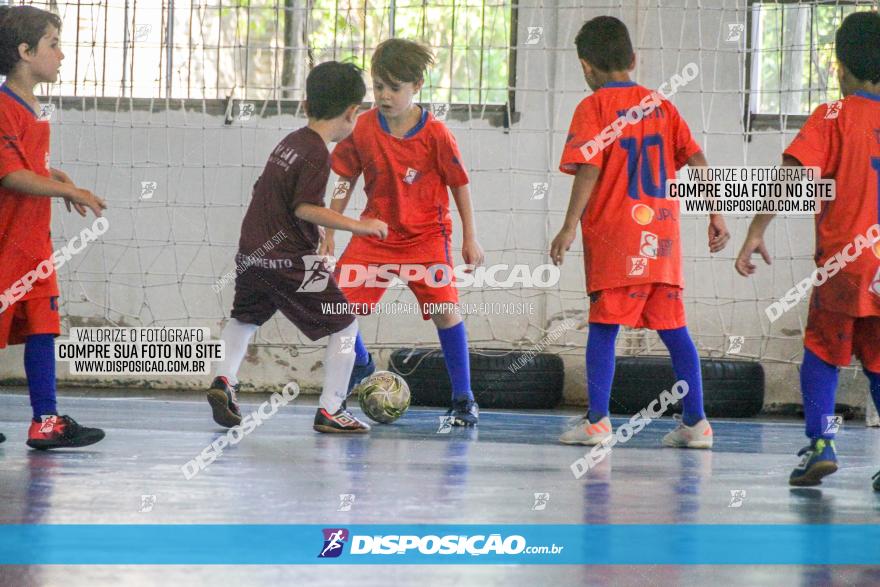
(639, 169)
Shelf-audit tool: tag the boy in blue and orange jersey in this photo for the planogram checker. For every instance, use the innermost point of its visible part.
(632, 250)
(30, 55)
(843, 140)
(410, 162)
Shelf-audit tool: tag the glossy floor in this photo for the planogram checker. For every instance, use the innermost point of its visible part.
(409, 473)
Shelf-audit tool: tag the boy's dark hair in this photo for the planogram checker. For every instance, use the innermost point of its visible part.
(858, 45)
(401, 60)
(604, 42)
(21, 24)
(332, 87)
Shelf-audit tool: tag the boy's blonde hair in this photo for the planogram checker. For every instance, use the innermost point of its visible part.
(401, 60)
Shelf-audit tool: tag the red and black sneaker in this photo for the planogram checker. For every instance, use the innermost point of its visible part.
(222, 398)
(342, 421)
(61, 432)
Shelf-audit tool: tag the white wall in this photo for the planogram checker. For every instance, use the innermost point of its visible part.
(158, 261)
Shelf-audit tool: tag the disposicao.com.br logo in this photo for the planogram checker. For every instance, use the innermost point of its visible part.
(334, 540)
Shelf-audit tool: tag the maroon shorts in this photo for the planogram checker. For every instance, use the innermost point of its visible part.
(311, 299)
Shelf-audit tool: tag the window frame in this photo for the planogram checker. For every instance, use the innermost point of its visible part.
(498, 115)
(780, 121)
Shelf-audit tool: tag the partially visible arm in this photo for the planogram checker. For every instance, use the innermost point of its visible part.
(470, 249)
(755, 238)
(338, 204)
(581, 190)
(28, 182)
(718, 233)
(59, 175)
(333, 219)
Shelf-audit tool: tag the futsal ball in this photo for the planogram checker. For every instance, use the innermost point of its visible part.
(384, 396)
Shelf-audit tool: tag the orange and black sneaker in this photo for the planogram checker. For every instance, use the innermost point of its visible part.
(224, 403)
(61, 432)
(342, 421)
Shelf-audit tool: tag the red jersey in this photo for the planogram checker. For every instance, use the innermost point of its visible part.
(406, 182)
(630, 231)
(25, 220)
(843, 140)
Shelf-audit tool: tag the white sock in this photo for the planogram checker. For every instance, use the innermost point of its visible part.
(237, 336)
(338, 363)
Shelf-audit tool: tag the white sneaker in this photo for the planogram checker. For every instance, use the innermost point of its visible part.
(585, 432)
(697, 436)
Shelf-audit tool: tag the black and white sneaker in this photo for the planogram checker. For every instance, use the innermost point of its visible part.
(342, 421)
(464, 412)
(224, 403)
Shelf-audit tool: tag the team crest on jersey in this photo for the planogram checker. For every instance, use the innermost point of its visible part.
(411, 176)
(648, 245)
(834, 110)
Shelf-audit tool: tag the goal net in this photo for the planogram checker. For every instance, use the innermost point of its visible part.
(168, 110)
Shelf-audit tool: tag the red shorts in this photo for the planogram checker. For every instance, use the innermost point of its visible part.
(834, 338)
(428, 289)
(657, 306)
(27, 317)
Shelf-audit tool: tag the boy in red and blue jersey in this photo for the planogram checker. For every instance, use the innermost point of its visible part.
(632, 249)
(410, 161)
(843, 140)
(30, 55)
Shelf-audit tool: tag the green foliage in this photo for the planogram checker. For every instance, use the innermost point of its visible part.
(470, 41)
(812, 47)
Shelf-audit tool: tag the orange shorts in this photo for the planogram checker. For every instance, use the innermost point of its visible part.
(436, 287)
(657, 306)
(27, 317)
(835, 338)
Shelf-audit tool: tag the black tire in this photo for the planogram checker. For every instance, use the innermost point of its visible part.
(536, 384)
(731, 388)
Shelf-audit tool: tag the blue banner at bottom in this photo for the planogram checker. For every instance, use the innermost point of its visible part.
(854, 544)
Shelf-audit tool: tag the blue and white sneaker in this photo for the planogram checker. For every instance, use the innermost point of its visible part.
(358, 374)
(819, 460)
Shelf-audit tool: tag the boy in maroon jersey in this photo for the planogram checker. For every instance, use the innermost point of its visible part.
(287, 213)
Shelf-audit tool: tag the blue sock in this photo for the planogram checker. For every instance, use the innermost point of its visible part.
(454, 343)
(874, 379)
(600, 368)
(361, 356)
(818, 388)
(39, 366)
(686, 364)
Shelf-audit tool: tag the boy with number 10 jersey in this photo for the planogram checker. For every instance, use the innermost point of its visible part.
(632, 250)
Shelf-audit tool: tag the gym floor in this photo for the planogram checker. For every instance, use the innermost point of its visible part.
(284, 473)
